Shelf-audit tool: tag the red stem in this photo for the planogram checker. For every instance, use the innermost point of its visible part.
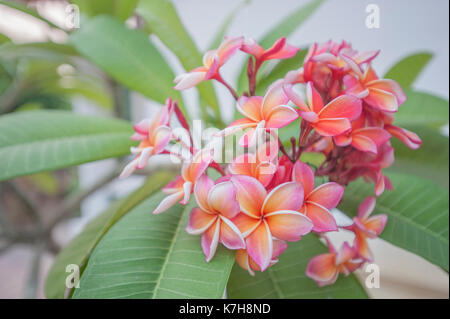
(219, 79)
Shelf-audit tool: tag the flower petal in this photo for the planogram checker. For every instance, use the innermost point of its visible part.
(313, 97)
(364, 144)
(160, 138)
(321, 217)
(199, 221)
(245, 223)
(303, 174)
(280, 50)
(222, 199)
(366, 207)
(343, 139)
(210, 239)
(332, 127)
(345, 254)
(142, 127)
(274, 97)
(264, 172)
(281, 116)
(201, 191)
(168, 202)
(189, 80)
(250, 107)
(279, 246)
(229, 47)
(410, 139)
(389, 86)
(327, 195)
(243, 261)
(243, 164)
(230, 236)
(129, 168)
(362, 247)
(288, 225)
(378, 135)
(322, 269)
(195, 167)
(286, 196)
(376, 224)
(344, 106)
(295, 98)
(250, 194)
(260, 245)
(382, 100)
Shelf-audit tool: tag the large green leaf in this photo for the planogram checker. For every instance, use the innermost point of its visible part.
(127, 56)
(287, 278)
(430, 161)
(417, 215)
(164, 22)
(283, 29)
(151, 256)
(422, 108)
(78, 250)
(34, 141)
(121, 9)
(408, 69)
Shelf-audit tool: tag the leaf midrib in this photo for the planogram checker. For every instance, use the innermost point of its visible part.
(169, 252)
(58, 139)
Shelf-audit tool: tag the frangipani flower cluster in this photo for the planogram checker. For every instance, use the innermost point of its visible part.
(267, 196)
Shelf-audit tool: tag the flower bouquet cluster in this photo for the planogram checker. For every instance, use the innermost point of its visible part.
(267, 195)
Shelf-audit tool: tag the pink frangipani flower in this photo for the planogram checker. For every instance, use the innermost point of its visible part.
(154, 135)
(317, 201)
(365, 227)
(324, 269)
(280, 50)
(262, 113)
(327, 120)
(181, 188)
(265, 215)
(382, 94)
(217, 205)
(212, 61)
(363, 138)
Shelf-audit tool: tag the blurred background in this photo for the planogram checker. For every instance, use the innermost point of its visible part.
(34, 76)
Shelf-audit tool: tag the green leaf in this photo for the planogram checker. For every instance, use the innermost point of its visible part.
(287, 278)
(165, 23)
(408, 69)
(280, 70)
(422, 108)
(152, 256)
(283, 29)
(38, 51)
(121, 9)
(429, 162)
(221, 32)
(78, 250)
(417, 215)
(127, 56)
(4, 39)
(35, 141)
